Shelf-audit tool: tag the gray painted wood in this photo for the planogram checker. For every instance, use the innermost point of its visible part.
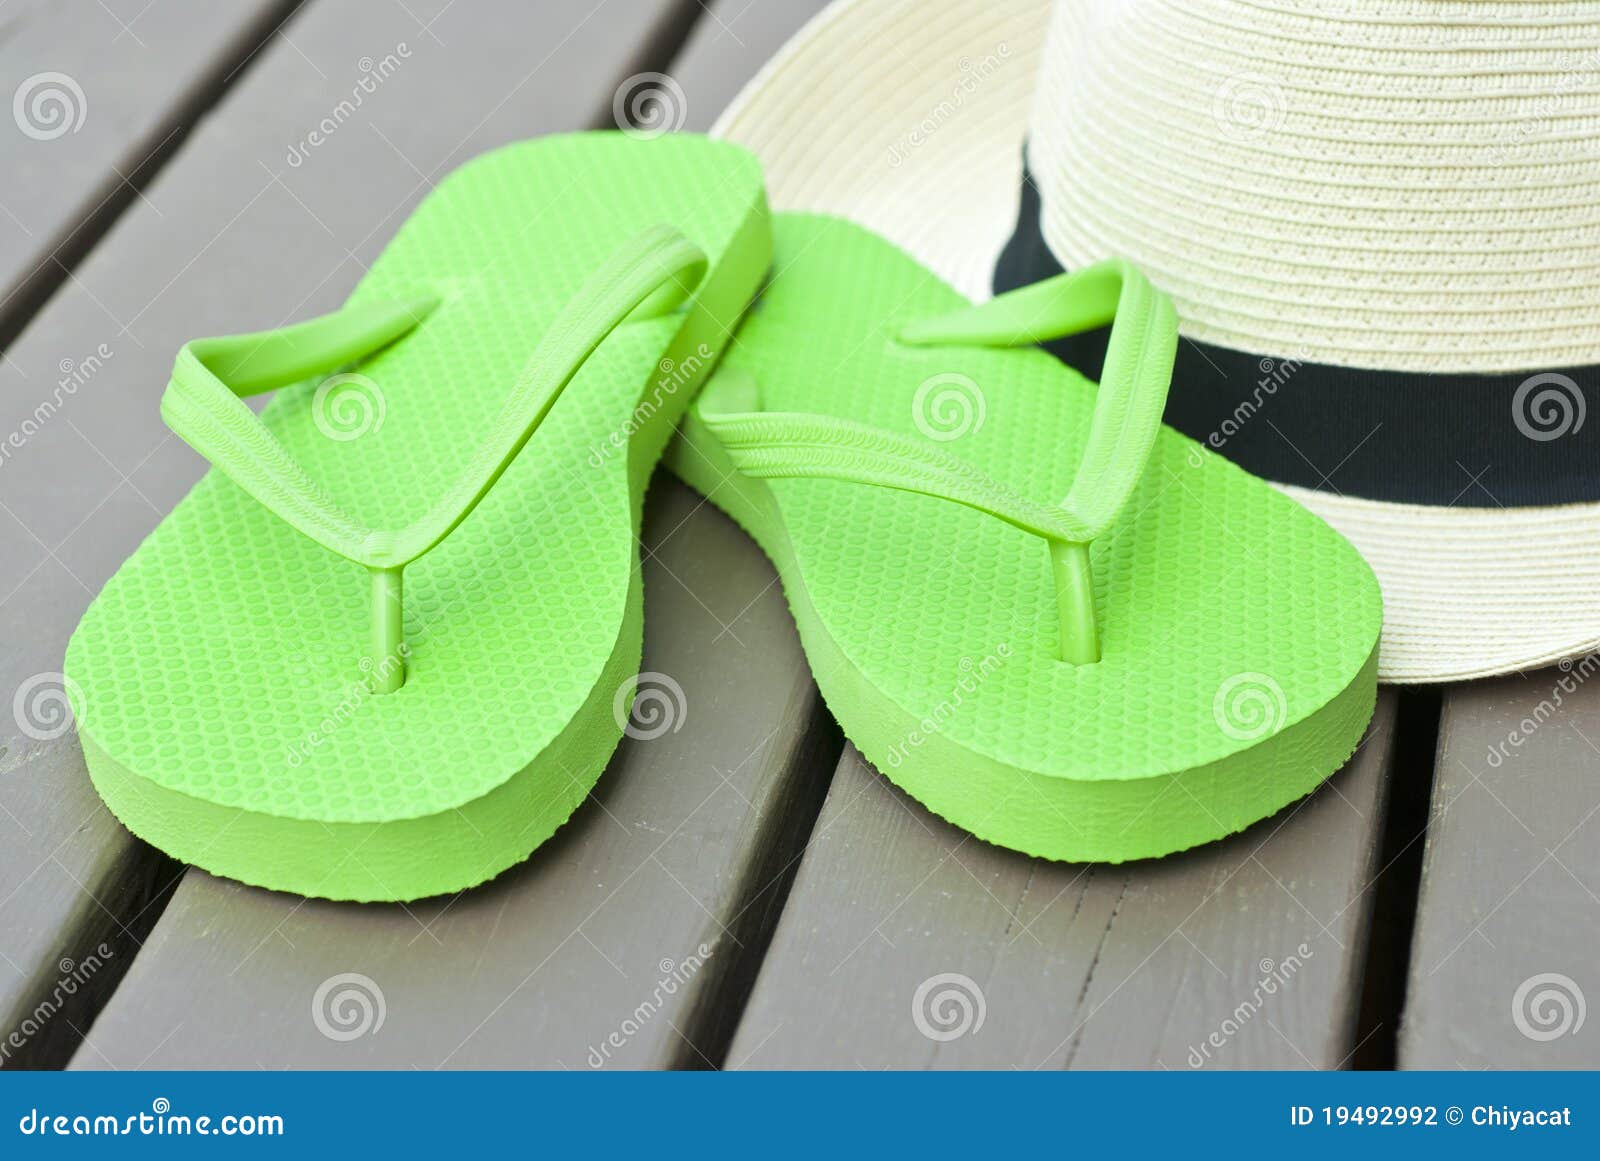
(105, 89)
(729, 43)
(74, 893)
(897, 917)
(687, 843)
(1508, 922)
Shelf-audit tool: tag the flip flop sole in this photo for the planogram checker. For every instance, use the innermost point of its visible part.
(223, 713)
(1239, 631)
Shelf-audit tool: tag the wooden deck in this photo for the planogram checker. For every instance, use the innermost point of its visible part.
(746, 892)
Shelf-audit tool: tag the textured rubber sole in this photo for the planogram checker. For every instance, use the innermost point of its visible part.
(224, 714)
(1237, 675)
(379, 861)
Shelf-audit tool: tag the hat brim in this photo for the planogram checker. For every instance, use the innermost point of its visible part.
(1474, 592)
(908, 117)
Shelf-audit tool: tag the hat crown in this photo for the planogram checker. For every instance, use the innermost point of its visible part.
(1401, 184)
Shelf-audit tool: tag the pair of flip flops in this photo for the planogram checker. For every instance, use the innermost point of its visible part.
(379, 652)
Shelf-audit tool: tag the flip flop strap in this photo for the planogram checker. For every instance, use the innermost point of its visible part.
(1133, 381)
(778, 444)
(1127, 418)
(647, 276)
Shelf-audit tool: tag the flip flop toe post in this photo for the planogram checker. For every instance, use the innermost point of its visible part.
(376, 652)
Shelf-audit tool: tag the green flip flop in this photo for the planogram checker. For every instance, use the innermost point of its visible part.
(254, 694)
(1170, 653)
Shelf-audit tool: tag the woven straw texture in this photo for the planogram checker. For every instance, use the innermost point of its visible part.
(1399, 184)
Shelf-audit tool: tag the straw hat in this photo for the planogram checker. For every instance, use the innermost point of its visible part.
(1379, 221)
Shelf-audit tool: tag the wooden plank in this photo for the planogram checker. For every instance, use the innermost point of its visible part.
(901, 930)
(682, 855)
(1503, 958)
(74, 894)
(729, 43)
(100, 93)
